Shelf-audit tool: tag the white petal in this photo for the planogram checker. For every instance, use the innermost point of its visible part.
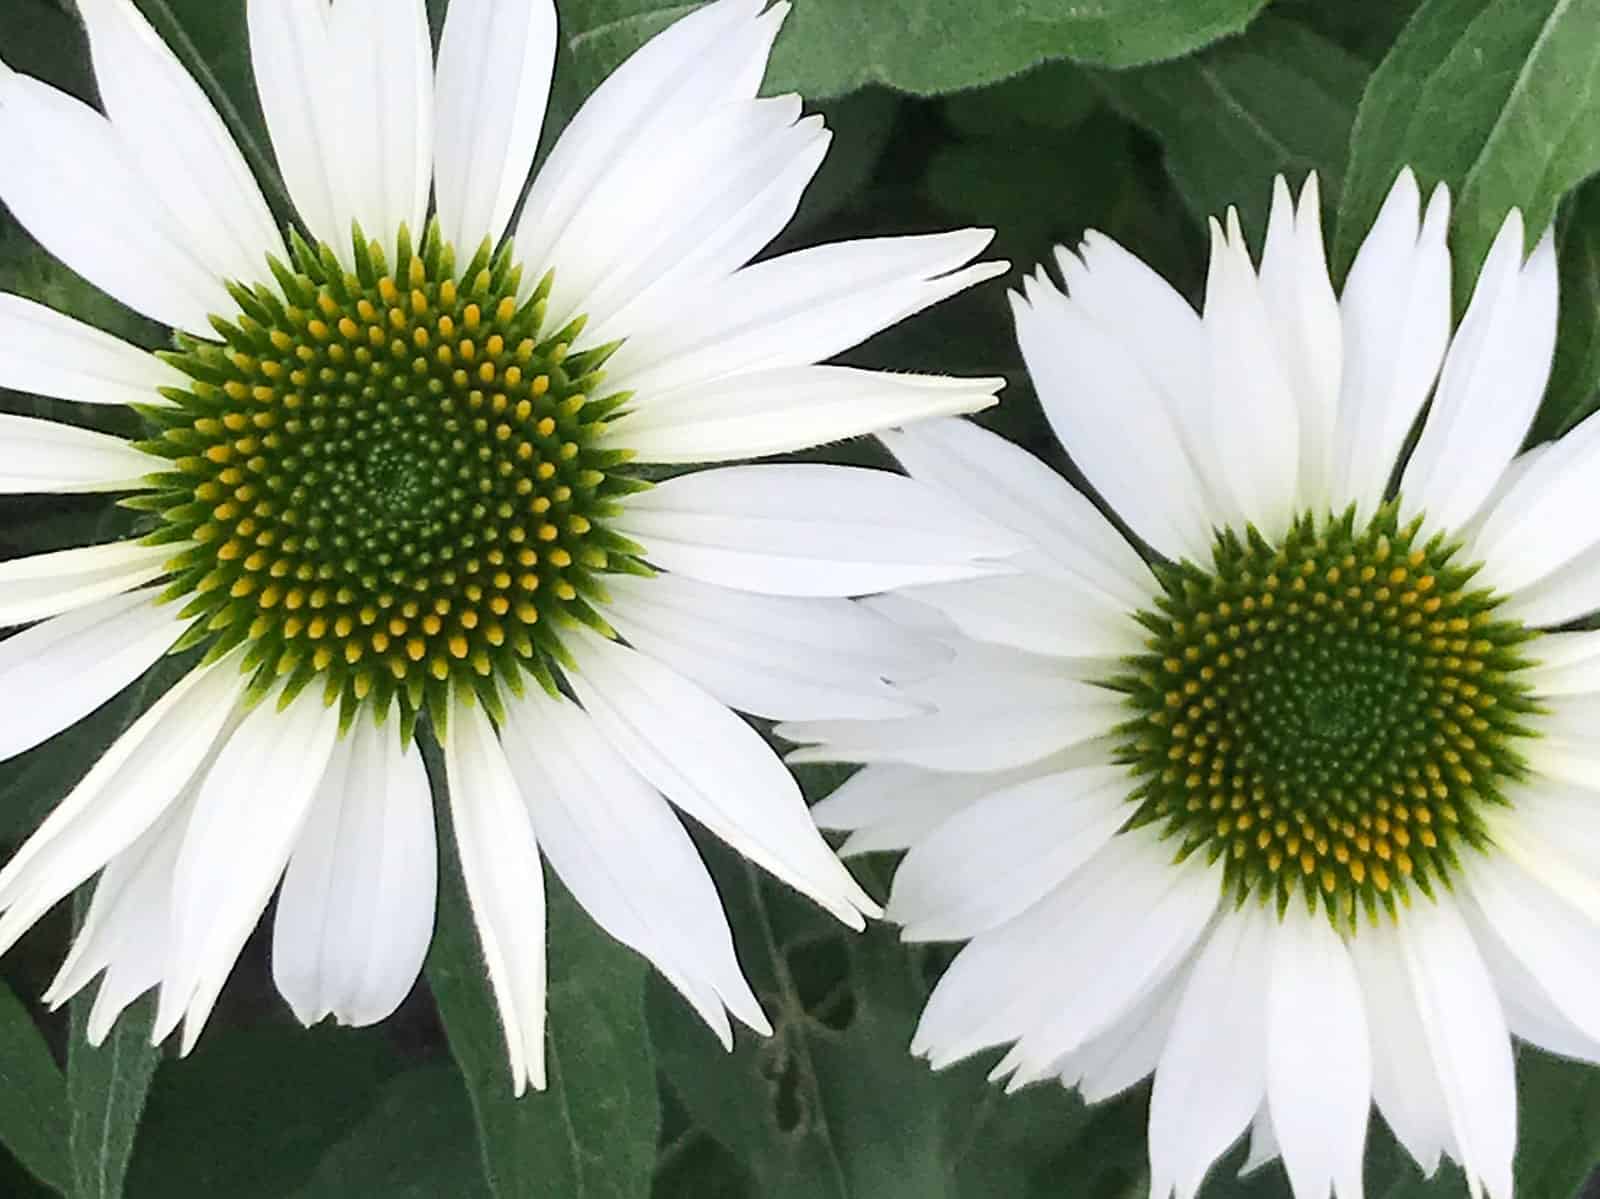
(809, 530)
(1405, 1083)
(495, 63)
(1319, 1064)
(130, 249)
(1304, 314)
(712, 57)
(997, 857)
(1060, 615)
(1071, 967)
(44, 585)
(136, 780)
(1564, 664)
(298, 80)
(1121, 956)
(692, 209)
(1396, 315)
(54, 674)
(773, 656)
(505, 883)
(796, 309)
(1263, 1144)
(1530, 1013)
(125, 933)
(715, 767)
(1213, 1072)
(1255, 421)
(47, 456)
(894, 807)
(1533, 542)
(356, 910)
(624, 856)
(384, 90)
(1100, 397)
(48, 354)
(1465, 1033)
(792, 408)
(1130, 1050)
(1006, 484)
(171, 131)
(1493, 379)
(992, 709)
(251, 806)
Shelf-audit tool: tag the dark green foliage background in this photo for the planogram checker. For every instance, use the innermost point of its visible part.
(1041, 118)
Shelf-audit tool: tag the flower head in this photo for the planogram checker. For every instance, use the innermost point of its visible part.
(395, 467)
(1289, 806)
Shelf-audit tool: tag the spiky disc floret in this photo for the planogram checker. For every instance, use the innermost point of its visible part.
(1329, 716)
(392, 478)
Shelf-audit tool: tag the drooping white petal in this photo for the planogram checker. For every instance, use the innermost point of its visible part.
(126, 791)
(1009, 486)
(1263, 1144)
(1212, 1076)
(48, 354)
(47, 456)
(694, 208)
(44, 585)
(249, 810)
(297, 76)
(1064, 971)
(1100, 397)
(772, 656)
(384, 89)
(1121, 955)
(1304, 315)
(1465, 1034)
(1405, 1082)
(495, 62)
(809, 530)
(993, 709)
(1530, 1013)
(1396, 315)
(1255, 419)
(796, 309)
(894, 807)
(505, 884)
(1491, 385)
(126, 932)
(55, 673)
(624, 856)
(130, 249)
(355, 913)
(714, 766)
(1565, 664)
(1319, 1064)
(711, 59)
(790, 408)
(1130, 1049)
(994, 858)
(180, 145)
(1534, 544)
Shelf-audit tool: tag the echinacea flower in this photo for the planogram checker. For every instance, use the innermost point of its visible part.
(1296, 809)
(391, 471)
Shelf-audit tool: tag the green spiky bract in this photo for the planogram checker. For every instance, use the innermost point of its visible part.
(389, 479)
(1331, 716)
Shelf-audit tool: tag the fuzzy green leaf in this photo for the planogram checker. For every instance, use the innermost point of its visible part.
(33, 1096)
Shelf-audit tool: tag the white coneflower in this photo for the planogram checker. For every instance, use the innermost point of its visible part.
(390, 471)
(1295, 812)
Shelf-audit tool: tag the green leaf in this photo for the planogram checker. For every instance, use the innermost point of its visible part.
(592, 1134)
(1498, 98)
(1280, 100)
(418, 1142)
(33, 1096)
(1558, 1135)
(252, 1111)
(862, 124)
(1575, 375)
(107, 1088)
(43, 40)
(931, 47)
(1054, 97)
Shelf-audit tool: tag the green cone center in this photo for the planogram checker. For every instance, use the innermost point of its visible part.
(393, 475)
(1330, 716)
